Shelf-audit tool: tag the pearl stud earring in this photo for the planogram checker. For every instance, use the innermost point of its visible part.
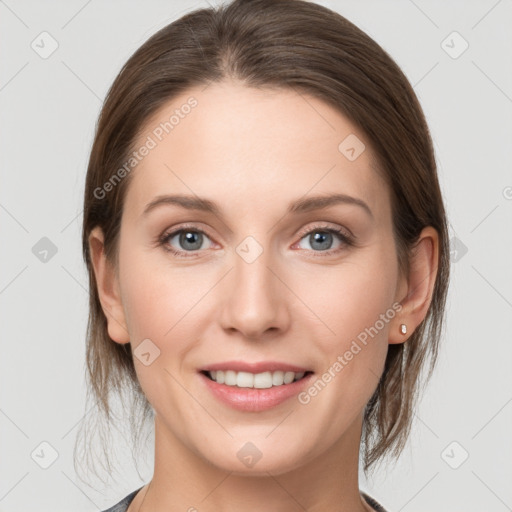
(403, 329)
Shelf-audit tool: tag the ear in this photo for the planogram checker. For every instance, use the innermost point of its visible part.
(415, 291)
(108, 288)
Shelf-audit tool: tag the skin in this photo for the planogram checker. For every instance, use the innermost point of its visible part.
(253, 152)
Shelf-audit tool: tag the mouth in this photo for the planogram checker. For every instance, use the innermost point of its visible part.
(263, 380)
(254, 387)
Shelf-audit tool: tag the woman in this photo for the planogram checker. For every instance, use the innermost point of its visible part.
(268, 256)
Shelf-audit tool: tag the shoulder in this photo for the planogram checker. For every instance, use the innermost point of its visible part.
(123, 505)
(373, 503)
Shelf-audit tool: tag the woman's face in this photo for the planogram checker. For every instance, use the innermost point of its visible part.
(260, 275)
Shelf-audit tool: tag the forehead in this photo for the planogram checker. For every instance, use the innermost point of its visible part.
(247, 148)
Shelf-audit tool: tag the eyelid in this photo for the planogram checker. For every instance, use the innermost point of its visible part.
(184, 227)
(325, 226)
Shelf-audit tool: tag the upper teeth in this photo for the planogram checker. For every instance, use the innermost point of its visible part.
(251, 380)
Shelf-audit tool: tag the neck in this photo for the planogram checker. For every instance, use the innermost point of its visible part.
(183, 480)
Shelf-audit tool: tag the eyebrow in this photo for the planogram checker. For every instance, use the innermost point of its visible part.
(300, 206)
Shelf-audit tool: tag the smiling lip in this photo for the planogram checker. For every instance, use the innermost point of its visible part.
(263, 366)
(254, 399)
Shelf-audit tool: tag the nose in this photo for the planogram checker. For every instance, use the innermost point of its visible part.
(255, 299)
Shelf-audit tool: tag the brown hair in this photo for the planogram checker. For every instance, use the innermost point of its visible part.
(288, 44)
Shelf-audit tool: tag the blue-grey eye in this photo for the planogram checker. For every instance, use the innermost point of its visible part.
(322, 240)
(188, 240)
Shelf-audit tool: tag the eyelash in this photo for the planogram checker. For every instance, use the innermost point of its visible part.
(346, 239)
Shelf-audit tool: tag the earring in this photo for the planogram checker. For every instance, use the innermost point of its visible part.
(403, 329)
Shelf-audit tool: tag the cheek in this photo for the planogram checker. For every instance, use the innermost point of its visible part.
(351, 297)
(159, 306)
(355, 301)
(156, 298)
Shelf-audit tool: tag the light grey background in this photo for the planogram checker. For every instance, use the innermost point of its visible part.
(49, 107)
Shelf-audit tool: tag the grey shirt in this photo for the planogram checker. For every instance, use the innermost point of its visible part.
(123, 505)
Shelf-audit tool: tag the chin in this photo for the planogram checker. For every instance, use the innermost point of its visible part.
(254, 458)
